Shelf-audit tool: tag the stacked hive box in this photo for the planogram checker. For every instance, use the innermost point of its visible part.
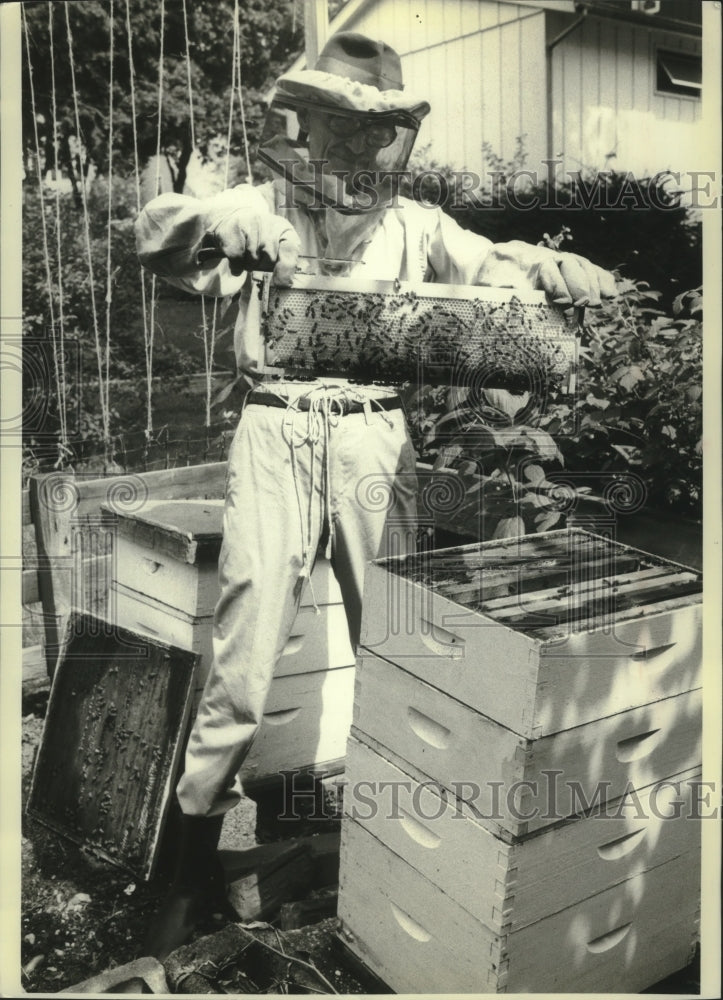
(165, 585)
(507, 827)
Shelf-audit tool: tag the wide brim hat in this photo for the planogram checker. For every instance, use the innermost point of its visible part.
(353, 73)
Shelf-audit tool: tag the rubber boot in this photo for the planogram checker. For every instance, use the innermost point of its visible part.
(198, 888)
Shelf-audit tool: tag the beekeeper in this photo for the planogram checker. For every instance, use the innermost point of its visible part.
(302, 448)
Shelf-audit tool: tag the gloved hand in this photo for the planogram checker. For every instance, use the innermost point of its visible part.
(566, 278)
(253, 240)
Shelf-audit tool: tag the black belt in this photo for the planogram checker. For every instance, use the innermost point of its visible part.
(337, 404)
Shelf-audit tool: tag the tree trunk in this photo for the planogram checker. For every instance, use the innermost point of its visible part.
(67, 161)
(180, 179)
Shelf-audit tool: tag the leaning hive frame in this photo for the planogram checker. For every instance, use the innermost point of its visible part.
(398, 331)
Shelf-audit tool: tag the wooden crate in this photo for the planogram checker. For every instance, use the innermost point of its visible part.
(415, 937)
(516, 692)
(112, 739)
(317, 641)
(540, 633)
(439, 738)
(507, 886)
(169, 551)
(165, 585)
(74, 543)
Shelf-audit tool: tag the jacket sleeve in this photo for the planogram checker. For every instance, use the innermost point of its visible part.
(454, 255)
(170, 231)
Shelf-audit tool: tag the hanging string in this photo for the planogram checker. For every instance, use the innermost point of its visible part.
(62, 402)
(234, 63)
(207, 346)
(249, 176)
(136, 162)
(188, 73)
(109, 276)
(160, 98)
(208, 349)
(46, 247)
(105, 416)
(152, 333)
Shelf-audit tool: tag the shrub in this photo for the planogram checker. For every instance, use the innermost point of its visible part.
(649, 234)
(639, 404)
(126, 349)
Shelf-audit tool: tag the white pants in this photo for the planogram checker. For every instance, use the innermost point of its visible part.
(295, 478)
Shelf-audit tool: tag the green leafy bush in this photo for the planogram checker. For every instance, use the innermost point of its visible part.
(640, 399)
(647, 233)
(638, 407)
(126, 353)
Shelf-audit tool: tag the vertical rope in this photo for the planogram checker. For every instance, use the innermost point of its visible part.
(86, 226)
(62, 400)
(208, 346)
(46, 247)
(137, 169)
(207, 359)
(249, 176)
(188, 73)
(136, 161)
(234, 61)
(152, 332)
(109, 277)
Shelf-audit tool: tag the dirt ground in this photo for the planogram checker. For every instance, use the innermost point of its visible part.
(82, 916)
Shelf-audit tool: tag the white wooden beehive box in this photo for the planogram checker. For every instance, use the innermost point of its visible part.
(516, 695)
(539, 633)
(416, 938)
(165, 585)
(511, 884)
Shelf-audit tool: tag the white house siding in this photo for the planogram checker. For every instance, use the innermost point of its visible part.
(604, 100)
(481, 65)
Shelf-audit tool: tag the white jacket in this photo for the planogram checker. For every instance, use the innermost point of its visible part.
(406, 241)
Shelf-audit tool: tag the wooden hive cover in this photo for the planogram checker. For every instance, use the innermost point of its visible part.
(112, 741)
(188, 530)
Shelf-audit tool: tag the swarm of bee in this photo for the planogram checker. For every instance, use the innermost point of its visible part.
(402, 336)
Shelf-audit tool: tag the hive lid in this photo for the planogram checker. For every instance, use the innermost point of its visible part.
(112, 741)
(184, 529)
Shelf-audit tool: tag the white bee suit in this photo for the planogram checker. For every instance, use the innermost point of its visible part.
(296, 476)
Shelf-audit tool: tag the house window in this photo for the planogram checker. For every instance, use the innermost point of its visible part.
(679, 73)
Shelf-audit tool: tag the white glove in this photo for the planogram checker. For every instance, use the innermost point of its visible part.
(566, 278)
(254, 240)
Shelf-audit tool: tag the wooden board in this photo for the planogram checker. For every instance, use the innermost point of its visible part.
(185, 530)
(509, 886)
(259, 893)
(533, 687)
(191, 588)
(324, 583)
(450, 743)
(64, 507)
(35, 671)
(111, 742)
(416, 939)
